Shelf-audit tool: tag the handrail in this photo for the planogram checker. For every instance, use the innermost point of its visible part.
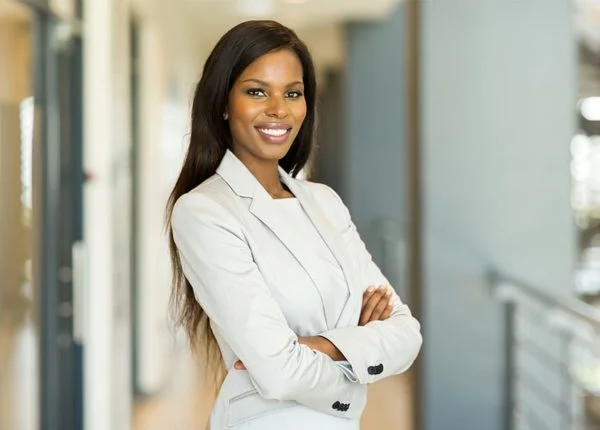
(566, 303)
(561, 347)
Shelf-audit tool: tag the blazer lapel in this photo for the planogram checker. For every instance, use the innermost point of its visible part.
(264, 207)
(328, 232)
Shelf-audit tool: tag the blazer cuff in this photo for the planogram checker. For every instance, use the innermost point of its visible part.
(347, 370)
(366, 365)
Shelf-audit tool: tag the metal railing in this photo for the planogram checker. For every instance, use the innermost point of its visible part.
(552, 358)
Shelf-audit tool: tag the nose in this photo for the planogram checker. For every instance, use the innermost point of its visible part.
(276, 108)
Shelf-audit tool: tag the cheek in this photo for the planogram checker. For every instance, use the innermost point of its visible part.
(241, 112)
(242, 117)
(300, 112)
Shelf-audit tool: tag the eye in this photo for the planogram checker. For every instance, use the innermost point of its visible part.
(255, 92)
(295, 94)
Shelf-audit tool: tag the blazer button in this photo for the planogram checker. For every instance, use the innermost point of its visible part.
(342, 407)
(375, 370)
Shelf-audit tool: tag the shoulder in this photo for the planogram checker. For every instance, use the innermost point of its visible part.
(321, 192)
(210, 201)
(326, 198)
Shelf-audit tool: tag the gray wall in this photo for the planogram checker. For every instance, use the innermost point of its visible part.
(374, 155)
(331, 145)
(498, 101)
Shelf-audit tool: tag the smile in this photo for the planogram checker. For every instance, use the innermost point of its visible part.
(274, 133)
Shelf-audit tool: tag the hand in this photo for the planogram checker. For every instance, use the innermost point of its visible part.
(318, 343)
(377, 304)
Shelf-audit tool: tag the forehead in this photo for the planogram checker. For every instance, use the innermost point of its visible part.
(275, 66)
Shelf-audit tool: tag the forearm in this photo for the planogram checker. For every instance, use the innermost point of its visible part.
(324, 345)
(379, 349)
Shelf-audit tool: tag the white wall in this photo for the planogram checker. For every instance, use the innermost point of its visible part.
(103, 392)
(166, 82)
(171, 58)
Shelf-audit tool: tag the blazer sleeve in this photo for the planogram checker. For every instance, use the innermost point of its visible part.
(218, 263)
(380, 348)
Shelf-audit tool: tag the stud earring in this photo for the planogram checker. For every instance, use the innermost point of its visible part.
(225, 116)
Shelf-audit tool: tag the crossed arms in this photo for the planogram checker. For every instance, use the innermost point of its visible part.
(233, 293)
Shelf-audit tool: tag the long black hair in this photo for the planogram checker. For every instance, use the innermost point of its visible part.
(211, 136)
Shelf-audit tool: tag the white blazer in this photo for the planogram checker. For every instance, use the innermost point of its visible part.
(259, 283)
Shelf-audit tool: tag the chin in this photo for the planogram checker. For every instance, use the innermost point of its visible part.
(274, 152)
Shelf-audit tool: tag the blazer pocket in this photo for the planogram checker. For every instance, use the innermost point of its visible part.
(251, 405)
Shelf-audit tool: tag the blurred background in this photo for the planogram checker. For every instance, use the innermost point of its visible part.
(464, 135)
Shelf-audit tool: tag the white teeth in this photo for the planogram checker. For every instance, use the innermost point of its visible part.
(273, 131)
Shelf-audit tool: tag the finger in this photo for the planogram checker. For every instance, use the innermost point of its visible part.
(381, 306)
(374, 298)
(239, 365)
(388, 311)
(390, 307)
(370, 305)
(367, 294)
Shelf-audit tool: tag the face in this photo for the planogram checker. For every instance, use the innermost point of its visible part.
(266, 108)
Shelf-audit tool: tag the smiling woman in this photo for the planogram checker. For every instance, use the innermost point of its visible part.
(266, 108)
(269, 270)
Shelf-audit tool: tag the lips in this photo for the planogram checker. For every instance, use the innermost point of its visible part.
(274, 133)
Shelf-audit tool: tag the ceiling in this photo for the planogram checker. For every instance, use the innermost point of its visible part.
(295, 13)
(214, 17)
(318, 22)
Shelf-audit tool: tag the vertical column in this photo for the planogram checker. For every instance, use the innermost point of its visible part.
(98, 84)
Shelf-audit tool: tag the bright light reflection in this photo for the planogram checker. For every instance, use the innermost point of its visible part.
(590, 108)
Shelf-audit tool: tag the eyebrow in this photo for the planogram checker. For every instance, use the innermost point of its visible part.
(266, 84)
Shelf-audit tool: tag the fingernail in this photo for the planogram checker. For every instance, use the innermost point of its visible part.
(370, 289)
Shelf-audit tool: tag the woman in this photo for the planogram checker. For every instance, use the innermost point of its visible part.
(269, 269)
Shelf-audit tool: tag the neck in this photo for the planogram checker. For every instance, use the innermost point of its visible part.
(266, 173)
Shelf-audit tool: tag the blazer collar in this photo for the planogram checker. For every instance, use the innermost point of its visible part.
(263, 206)
(243, 182)
(237, 175)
